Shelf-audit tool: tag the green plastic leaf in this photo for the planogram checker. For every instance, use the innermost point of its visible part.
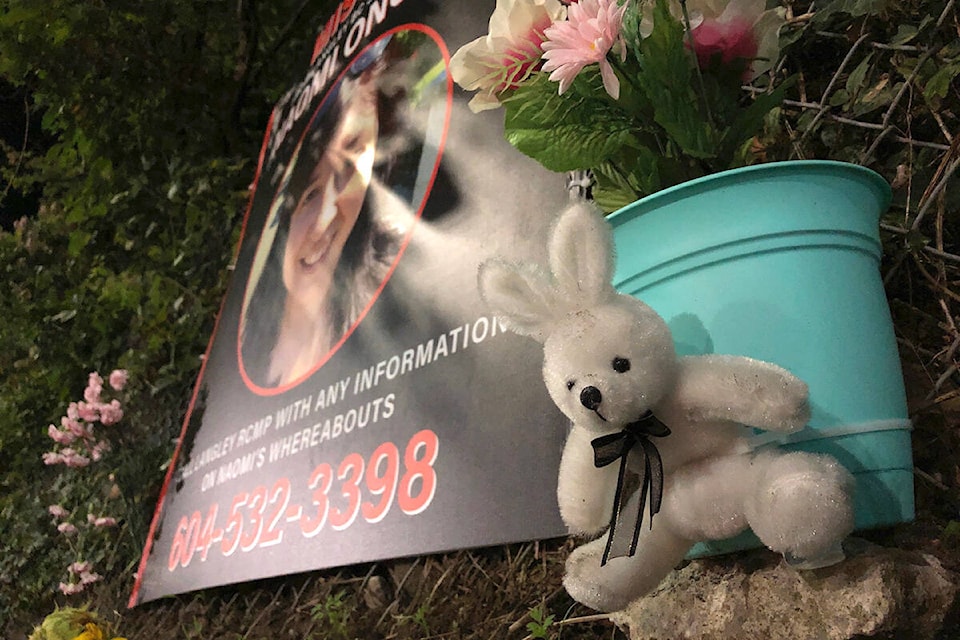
(612, 194)
(578, 130)
(568, 147)
(630, 26)
(668, 80)
(632, 175)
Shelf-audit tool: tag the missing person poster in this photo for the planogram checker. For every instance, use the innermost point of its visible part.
(358, 401)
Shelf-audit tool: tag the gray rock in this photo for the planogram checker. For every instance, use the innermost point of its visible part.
(875, 593)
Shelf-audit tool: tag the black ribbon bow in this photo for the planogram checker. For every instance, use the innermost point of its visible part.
(617, 446)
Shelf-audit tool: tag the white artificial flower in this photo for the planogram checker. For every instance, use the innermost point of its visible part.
(508, 54)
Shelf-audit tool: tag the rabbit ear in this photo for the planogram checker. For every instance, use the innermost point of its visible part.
(581, 255)
(521, 295)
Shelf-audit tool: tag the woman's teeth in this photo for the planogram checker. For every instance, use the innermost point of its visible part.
(315, 257)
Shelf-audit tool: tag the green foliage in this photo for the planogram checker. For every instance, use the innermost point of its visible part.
(540, 622)
(153, 114)
(334, 614)
(942, 81)
(951, 534)
(908, 89)
(26, 563)
(195, 630)
(419, 619)
(834, 9)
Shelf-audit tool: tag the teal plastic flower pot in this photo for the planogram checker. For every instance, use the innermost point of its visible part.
(780, 262)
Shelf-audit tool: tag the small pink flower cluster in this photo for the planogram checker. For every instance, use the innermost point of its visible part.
(79, 445)
(76, 446)
(81, 574)
(101, 521)
(67, 528)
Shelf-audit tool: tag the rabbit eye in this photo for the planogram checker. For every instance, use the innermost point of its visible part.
(570, 384)
(621, 365)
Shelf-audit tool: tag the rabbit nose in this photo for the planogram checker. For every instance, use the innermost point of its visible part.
(590, 397)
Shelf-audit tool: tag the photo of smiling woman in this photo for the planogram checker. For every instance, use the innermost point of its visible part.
(338, 221)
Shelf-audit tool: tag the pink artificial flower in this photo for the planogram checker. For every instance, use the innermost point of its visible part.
(52, 457)
(57, 511)
(60, 437)
(728, 41)
(118, 379)
(72, 411)
(89, 577)
(80, 567)
(88, 412)
(111, 413)
(66, 528)
(729, 30)
(94, 380)
(103, 521)
(71, 589)
(590, 31)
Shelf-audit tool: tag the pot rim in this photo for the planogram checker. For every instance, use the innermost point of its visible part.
(762, 170)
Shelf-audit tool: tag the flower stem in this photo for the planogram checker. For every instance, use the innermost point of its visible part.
(696, 64)
(623, 73)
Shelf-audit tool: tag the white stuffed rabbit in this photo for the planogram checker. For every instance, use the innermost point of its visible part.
(610, 366)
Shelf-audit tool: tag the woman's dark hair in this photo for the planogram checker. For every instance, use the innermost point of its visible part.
(369, 245)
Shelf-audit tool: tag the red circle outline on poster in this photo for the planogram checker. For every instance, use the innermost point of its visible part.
(305, 260)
